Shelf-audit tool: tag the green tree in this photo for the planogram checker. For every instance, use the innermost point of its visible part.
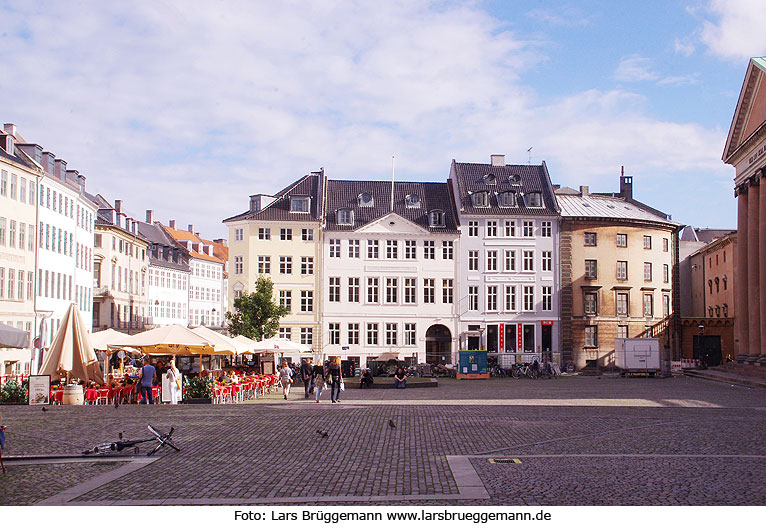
(256, 315)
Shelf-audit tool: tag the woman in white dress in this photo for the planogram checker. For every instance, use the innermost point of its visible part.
(174, 377)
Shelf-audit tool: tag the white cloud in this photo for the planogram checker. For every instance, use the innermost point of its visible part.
(187, 109)
(738, 29)
(560, 16)
(635, 68)
(684, 46)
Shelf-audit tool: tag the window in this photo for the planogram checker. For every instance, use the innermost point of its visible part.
(353, 289)
(473, 228)
(529, 298)
(373, 249)
(448, 250)
(391, 333)
(285, 234)
(473, 298)
(410, 249)
(436, 218)
(622, 270)
(647, 242)
(473, 260)
(353, 249)
(285, 265)
(622, 331)
(307, 336)
(665, 244)
(2, 283)
(412, 201)
(392, 249)
(545, 229)
(264, 233)
(647, 271)
(239, 234)
(510, 298)
(648, 305)
(12, 233)
(344, 217)
(429, 291)
(622, 240)
(264, 264)
(510, 260)
(666, 274)
(307, 235)
(590, 239)
(534, 199)
(238, 265)
(429, 250)
(373, 286)
(622, 304)
(307, 301)
(365, 200)
(590, 269)
(491, 260)
(410, 291)
(480, 199)
(2, 231)
(591, 336)
(4, 183)
(547, 260)
(666, 306)
(528, 260)
(334, 333)
(334, 248)
(285, 332)
(307, 265)
(528, 228)
(590, 303)
(286, 299)
(447, 291)
(506, 199)
(353, 333)
(491, 228)
(392, 290)
(334, 295)
(725, 282)
(372, 333)
(547, 294)
(409, 334)
(710, 285)
(299, 204)
(491, 298)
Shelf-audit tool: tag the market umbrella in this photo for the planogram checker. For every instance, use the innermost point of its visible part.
(11, 337)
(71, 352)
(280, 344)
(249, 343)
(101, 340)
(171, 340)
(221, 343)
(388, 356)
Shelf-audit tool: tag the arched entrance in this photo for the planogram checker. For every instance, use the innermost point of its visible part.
(438, 345)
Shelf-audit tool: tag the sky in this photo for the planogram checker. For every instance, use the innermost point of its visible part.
(188, 107)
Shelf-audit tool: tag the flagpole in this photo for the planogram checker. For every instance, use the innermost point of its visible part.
(392, 183)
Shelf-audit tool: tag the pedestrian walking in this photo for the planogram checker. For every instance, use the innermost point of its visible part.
(336, 377)
(306, 371)
(146, 380)
(174, 382)
(286, 378)
(319, 380)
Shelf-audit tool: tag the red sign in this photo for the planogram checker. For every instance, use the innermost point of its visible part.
(501, 339)
(546, 323)
(518, 334)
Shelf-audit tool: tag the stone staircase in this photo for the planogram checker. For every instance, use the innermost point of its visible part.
(750, 371)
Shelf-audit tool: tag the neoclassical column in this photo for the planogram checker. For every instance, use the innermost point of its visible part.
(740, 278)
(753, 276)
(762, 261)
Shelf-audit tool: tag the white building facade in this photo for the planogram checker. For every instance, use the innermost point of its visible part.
(509, 258)
(389, 262)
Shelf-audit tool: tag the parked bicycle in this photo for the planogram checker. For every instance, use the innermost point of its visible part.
(523, 369)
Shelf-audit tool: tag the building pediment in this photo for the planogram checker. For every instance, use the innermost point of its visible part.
(392, 224)
(750, 114)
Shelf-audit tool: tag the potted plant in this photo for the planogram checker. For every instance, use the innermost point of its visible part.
(13, 393)
(198, 390)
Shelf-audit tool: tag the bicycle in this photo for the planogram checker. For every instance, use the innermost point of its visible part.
(524, 369)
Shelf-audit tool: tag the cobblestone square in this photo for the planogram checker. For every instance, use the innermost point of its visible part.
(579, 440)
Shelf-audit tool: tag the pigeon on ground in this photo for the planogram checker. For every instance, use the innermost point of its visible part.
(321, 433)
(120, 436)
(391, 424)
(44, 409)
(116, 403)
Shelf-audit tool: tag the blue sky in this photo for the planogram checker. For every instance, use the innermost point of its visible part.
(187, 108)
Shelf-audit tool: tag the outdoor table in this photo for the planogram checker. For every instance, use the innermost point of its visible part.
(56, 396)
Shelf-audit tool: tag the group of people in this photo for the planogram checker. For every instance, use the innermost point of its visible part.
(315, 379)
(148, 376)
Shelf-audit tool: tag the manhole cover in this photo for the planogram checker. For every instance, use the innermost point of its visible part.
(504, 461)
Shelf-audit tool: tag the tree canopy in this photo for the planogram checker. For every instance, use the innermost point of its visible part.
(256, 315)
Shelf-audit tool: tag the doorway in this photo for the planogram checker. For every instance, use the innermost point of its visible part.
(707, 349)
(529, 339)
(438, 345)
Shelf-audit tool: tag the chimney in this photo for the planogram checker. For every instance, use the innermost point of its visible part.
(196, 235)
(497, 160)
(118, 206)
(60, 169)
(626, 185)
(10, 128)
(172, 224)
(584, 191)
(191, 228)
(149, 216)
(221, 241)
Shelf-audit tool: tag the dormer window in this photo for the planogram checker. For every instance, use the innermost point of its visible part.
(299, 204)
(412, 200)
(344, 217)
(506, 199)
(515, 179)
(534, 199)
(436, 218)
(365, 200)
(480, 199)
(490, 179)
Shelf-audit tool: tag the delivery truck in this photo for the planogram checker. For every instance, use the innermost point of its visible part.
(637, 355)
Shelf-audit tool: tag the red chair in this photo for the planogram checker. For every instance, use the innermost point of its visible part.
(91, 396)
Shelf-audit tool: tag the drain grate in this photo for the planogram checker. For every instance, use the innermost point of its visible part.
(504, 461)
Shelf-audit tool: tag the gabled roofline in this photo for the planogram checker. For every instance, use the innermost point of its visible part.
(745, 91)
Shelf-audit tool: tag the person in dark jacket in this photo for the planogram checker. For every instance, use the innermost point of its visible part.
(400, 378)
(336, 379)
(306, 370)
(366, 381)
